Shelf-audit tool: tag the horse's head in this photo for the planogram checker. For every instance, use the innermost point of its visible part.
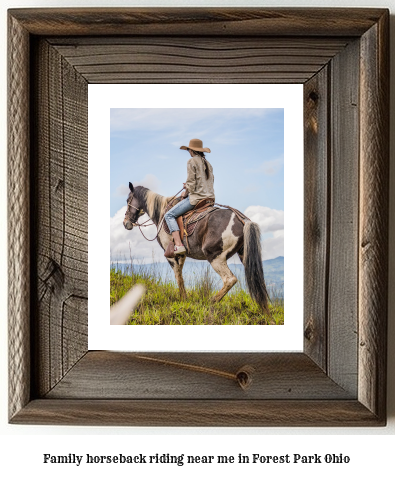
(134, 209)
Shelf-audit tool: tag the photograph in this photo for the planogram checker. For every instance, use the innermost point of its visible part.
(224, 263)
(231, 158)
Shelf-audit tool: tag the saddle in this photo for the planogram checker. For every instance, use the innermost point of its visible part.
(188, 221)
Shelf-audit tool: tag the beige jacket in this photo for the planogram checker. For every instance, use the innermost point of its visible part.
(197, 185)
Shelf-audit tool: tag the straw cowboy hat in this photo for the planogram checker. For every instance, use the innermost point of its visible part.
(196, 145)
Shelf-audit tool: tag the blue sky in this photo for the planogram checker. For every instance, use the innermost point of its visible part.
(247, 155)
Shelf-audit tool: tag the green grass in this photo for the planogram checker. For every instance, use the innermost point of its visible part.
(161, 304)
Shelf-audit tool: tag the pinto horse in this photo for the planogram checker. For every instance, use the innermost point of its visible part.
(217, 237)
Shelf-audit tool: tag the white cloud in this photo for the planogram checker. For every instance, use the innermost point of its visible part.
(270, 221)
(273, 247)
(122, 190)
(149, 181)
(126, 243)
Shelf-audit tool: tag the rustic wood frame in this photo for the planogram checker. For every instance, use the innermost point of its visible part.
(342, 57)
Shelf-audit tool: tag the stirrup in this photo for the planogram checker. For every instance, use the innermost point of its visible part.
(178, 250)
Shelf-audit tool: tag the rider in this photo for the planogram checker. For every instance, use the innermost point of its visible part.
(199, 185)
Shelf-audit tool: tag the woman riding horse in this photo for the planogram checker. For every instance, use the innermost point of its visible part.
(198, 186)
(216, 237)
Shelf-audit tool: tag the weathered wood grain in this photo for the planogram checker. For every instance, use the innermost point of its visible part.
(202, 413)
(61, 198)
(197, 375)
(199, 21)
(53, 179)
(316, 214)
(343, 246)
(373, 228)
(18, 218)
(196, 59)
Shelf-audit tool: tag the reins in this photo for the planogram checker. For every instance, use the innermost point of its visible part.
(149, 219)
(239, 214)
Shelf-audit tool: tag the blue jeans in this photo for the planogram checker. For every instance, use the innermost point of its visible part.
(178, 210)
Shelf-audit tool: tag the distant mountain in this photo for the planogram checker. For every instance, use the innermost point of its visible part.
(274, 270)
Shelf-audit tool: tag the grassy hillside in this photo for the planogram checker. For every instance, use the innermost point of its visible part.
(273, 271)
(161, 304)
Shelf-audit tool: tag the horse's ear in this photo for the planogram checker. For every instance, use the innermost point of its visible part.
(131, 187)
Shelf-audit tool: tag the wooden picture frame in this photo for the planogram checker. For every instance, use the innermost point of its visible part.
(342, 58)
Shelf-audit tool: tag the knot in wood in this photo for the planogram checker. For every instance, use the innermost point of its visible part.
(309, 331)
(313, 96)
(244, 376)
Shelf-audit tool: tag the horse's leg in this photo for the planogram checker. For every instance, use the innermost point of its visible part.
(219, 248)
(177, 264)
(220, 266)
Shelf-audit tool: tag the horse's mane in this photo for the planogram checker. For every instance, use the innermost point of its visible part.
(152, 203)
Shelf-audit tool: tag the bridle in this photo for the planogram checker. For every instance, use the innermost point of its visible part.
(143, 224)
(131, 205)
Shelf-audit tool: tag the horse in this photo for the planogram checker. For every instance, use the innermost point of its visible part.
(217, 237)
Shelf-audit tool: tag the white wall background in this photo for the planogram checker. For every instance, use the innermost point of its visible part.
(23, 447)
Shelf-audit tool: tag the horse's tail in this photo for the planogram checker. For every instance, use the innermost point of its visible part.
(252, 260)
